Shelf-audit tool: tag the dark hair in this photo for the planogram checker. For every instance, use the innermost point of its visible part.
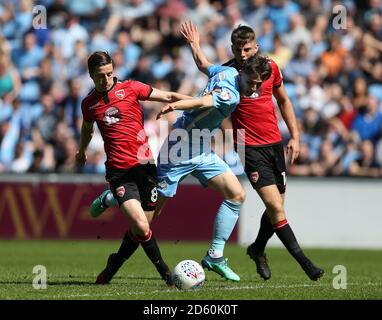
(98, 59)
(258, 65)
(241, 35)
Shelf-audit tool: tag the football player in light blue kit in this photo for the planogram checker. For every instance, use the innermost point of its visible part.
(193, 154)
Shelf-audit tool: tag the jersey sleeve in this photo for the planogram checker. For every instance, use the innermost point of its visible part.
(226, 100)
(142, 90)
(278, 79)
(85, 112)
(228, 97)
(214, 69)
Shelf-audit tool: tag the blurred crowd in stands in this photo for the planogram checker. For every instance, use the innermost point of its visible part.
(332, 75)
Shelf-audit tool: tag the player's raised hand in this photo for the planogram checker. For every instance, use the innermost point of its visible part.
(166, 109)
(192, 36)
(293, 149)
(190, 32)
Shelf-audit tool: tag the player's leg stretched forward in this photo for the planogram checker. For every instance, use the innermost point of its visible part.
(102, 202)
(139, 233)
(226, 217)
(106, 200)
(273, 201)
(225, 220)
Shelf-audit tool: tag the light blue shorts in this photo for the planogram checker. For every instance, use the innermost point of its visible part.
(203, 167)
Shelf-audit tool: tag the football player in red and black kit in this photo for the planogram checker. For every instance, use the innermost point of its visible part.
(130, 169)
(264, 153)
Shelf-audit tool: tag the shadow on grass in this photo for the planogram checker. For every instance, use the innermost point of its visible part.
(75, 280)
(72, 282)
(52, 283)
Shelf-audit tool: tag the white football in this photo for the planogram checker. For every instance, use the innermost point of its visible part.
(188, 274)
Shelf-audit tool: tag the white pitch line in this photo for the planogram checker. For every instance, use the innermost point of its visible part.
(260, 286)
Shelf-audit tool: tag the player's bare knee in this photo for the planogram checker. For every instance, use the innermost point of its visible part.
(239, 196)
(141, 228)
(235, 194)
(274, 208)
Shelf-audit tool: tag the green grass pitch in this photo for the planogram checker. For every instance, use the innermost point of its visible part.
(72, 267)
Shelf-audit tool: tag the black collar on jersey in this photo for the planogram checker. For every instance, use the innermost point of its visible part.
(105, 94)
(233, 63)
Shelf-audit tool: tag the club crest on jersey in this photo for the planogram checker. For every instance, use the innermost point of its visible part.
(254, 176)
(225, 95)
(120, 191)
(120, 94)
(222, 75)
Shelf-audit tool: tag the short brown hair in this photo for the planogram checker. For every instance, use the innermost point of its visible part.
(241, 35)
(98, 59)
(258, 65)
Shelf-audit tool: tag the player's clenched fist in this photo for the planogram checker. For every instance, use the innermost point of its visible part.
(80, 158)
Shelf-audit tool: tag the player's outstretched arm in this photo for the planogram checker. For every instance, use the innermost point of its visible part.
(166, 96)
(191, 34)
(189, 104)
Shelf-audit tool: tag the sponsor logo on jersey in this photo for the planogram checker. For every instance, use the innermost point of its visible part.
(111, 116)
(120, 94)
(255, 176)
(120, 191)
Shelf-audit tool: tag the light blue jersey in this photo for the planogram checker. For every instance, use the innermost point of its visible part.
(223, 83)
(185, 151)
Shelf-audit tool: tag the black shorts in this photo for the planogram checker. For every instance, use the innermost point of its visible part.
(138, 182)
(265, 166)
